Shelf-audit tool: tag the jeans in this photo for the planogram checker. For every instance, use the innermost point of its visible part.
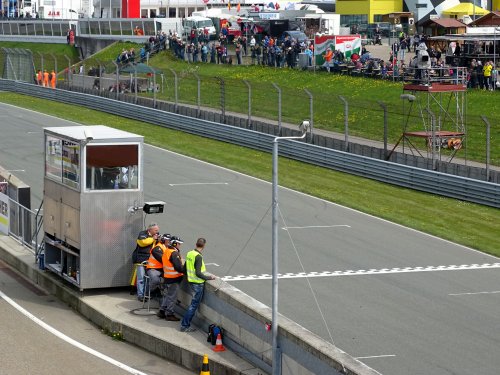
(197, 291)
(141, 271)
(169, 298)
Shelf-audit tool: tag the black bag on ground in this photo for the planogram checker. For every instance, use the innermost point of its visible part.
(213, 331)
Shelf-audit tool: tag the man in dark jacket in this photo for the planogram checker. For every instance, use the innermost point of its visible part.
(145, 242)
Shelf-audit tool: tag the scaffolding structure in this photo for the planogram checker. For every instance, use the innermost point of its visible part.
(440, 107)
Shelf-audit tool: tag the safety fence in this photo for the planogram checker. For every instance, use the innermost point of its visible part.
(439, 161)
(20, 221)
(350, 114)
(419, 179)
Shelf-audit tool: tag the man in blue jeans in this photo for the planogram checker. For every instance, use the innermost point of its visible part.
(196, 277)
(145, 242)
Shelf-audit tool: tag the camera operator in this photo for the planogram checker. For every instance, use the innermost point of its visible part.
(145, 242)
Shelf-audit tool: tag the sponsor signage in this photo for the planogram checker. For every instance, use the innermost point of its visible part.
(269, 16)
(4, 214)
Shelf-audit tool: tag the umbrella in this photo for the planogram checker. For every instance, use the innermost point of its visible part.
(142, 69)
(465, 8)
(139, 68)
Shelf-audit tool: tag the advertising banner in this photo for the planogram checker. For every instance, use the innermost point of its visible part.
(4, 214)
(347, 44)
(321, 43)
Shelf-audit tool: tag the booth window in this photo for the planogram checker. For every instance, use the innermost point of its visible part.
(112, 167)
(62, 161)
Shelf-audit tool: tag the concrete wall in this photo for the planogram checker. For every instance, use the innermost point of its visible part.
(243, 320)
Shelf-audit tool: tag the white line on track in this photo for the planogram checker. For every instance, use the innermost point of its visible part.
(318, 226)
(474, 293)
(212, 264)
(16, 170)
(377, 356)
(382, 271)
(200, 183)
(69, 340)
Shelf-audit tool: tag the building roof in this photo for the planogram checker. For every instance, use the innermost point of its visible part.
(492, 18)
(445, 22)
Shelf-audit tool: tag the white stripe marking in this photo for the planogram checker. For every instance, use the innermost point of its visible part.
(212, 264)
(200, 183)
(318, 226)
(473, 293)
(16, 170)
(377, 356)
(299, 275)
(69, 340)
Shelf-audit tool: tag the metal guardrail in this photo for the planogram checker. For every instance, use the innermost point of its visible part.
(462, 188)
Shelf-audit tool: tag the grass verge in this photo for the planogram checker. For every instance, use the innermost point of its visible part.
(461, 222)
(53, 54)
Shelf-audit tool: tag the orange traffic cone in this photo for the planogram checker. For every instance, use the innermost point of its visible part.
(204, 368)
(218, 344)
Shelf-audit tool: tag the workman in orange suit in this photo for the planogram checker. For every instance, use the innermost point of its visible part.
(172, 277)
(154, 267)
(45, 78)
(39, 78)
(53, 79)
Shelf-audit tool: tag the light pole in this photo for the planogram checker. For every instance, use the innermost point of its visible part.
(276, 364)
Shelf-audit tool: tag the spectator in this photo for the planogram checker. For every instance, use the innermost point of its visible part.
(487, 68)
(204, 52)
(213, 52)
(328, 56)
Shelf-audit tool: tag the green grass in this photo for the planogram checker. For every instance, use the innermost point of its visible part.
(465, 223)
(109, 54)
(363, 95)
(46, 50)
(365, 114)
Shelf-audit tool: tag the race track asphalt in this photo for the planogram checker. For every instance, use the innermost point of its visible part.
(401, 301)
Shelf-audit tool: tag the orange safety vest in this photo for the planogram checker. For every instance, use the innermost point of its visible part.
(46, 79)
(169, 271)
(53, 80)
(39, 77)
(152, 262)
